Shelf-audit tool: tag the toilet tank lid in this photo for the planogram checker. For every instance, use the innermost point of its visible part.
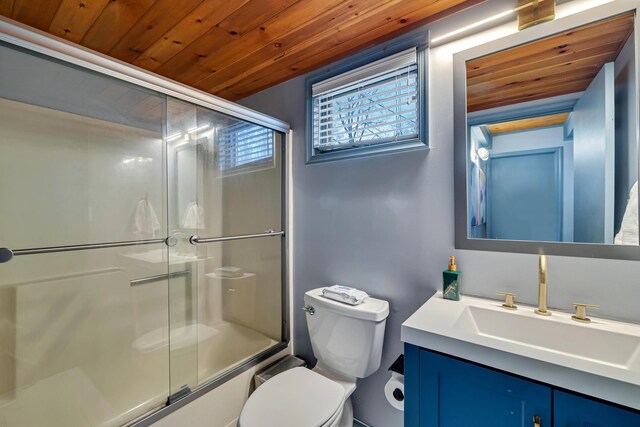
(372, 309)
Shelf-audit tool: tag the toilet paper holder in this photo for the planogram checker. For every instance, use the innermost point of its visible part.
(397, 371)
(398, 365)
(397, 368)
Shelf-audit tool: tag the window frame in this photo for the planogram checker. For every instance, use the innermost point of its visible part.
(421, 142)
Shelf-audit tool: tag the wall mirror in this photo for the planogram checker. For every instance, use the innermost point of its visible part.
(546, 125)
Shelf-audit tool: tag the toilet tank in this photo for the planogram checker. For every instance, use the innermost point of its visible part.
(346, 338)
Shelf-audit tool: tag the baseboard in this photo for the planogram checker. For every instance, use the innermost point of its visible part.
(357, 423)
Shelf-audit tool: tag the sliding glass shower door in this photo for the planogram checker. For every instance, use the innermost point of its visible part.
(225, 181)
(135, 265)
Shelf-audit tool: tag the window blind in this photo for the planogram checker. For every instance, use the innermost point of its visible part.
(372, 104)
(243, 145)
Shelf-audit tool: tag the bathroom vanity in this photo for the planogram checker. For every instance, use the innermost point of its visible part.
(473, 362)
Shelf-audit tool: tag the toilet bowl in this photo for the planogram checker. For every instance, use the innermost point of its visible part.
(295, 398)
(347, 341)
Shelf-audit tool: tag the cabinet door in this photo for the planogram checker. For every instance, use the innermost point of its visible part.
(454, 393)
(574, 411)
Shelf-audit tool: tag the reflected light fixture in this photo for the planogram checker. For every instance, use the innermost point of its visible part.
(535, 12)
(173, 137)
(483, 154)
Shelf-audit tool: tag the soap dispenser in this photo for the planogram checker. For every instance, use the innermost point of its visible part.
(451, 281)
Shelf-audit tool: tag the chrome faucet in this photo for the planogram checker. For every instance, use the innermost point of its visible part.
(542, 287)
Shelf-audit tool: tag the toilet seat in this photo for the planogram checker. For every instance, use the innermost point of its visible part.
(295, 398)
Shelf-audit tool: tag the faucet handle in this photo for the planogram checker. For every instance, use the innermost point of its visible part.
(581, 312)
(509, 300)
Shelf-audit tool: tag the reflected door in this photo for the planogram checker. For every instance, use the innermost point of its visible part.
(524, 194)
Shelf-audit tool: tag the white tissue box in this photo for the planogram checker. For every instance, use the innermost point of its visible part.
(345, 294)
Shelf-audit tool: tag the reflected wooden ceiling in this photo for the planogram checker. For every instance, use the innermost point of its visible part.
(556, 65)
(230, 48)
(531, 123)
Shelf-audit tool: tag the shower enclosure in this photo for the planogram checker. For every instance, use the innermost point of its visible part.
(141, 234)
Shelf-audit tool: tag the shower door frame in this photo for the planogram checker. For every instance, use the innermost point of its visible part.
(31, 39)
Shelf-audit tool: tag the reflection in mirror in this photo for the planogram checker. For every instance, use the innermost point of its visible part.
(551, 140)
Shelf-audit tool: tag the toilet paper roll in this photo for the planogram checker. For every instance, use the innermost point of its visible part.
(394, 391)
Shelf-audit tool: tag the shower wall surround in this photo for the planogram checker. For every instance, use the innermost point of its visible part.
(108, 308)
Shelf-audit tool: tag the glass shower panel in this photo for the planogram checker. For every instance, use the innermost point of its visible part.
(226, 179)
(240, 292)
(83, 333)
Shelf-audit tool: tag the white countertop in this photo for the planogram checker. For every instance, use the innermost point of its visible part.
(554, 350)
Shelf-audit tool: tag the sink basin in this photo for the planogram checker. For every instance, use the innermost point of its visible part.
(591, 342)
(602, 347)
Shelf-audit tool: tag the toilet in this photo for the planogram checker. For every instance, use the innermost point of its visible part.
(347, 341)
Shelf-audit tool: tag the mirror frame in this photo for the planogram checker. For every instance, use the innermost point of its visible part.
(462, 239)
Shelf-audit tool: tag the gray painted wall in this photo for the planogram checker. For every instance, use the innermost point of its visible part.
(386, 224)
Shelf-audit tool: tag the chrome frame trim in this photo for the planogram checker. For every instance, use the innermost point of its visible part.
(152, 417)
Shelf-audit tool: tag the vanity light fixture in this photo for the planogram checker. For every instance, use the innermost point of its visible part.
(535, 12)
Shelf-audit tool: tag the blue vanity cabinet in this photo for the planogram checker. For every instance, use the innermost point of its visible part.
(442, 391)
(570, 410)
(454, 393)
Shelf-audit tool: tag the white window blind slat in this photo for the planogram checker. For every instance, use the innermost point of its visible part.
(356, 130)
(379, 139)
(404, 103)
(406, 79)
(367, 121)
(370, 71)
(398, 100)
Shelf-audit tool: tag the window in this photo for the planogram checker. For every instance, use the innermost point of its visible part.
(370, 109)
(244, 145)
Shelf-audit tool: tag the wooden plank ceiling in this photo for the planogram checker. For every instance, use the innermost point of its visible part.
(230, 48)
(557, 65)
(530, 123)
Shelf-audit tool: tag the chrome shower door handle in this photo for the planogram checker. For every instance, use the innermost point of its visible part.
(195, 239)
(309, 309)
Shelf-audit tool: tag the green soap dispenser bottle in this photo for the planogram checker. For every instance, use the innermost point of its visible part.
(451, 281)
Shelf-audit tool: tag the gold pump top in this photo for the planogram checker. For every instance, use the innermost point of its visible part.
(452, 264)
